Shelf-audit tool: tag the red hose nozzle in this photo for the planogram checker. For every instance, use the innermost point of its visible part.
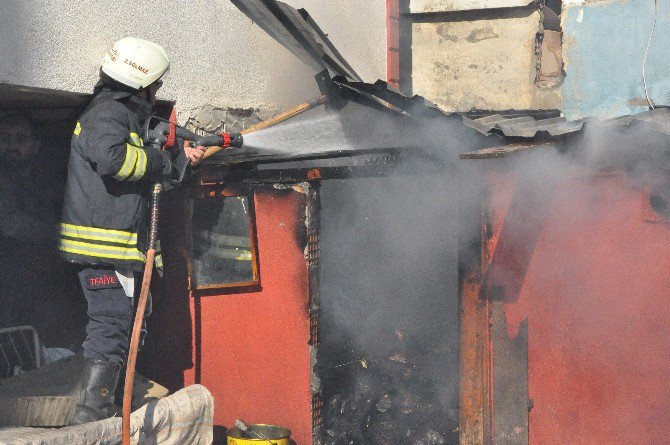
(232, 140)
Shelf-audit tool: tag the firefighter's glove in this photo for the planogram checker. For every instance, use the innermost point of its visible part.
(168, 165)
(175, 165)
(181, 162)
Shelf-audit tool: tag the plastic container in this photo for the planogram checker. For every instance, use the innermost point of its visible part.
(276, 435)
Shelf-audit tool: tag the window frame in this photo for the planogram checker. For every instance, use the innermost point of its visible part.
(207, 193)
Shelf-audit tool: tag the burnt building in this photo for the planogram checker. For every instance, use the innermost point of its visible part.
(489, 269)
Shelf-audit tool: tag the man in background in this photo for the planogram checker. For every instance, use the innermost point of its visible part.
(27, 221)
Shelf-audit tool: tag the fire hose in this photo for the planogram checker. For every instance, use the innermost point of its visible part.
(165, 135)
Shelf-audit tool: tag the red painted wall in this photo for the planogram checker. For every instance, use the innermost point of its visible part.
(250, 349)
(587, 262)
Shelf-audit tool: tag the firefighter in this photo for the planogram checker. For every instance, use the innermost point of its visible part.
(104, 221)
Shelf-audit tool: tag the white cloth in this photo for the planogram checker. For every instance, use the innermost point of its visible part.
(127, 279)
(185, 417)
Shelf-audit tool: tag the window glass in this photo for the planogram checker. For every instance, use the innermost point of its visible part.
(223, 243)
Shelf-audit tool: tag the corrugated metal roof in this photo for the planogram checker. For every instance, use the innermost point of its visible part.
(654, 120)
(526, 132)
(299, 33)
(524, 126)
(386, 95)
(527, 127)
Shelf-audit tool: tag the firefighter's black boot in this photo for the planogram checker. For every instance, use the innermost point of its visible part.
(96, 397)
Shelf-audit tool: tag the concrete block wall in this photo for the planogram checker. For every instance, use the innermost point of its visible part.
(466, 55)
(464, 59)
(485, 64)
(223, 66)
(419, 6)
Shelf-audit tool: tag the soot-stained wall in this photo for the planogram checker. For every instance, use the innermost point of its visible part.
(220, 59)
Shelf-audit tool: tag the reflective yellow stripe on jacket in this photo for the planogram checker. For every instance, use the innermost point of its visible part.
(158, 261)
(135, 164)
(100, 243)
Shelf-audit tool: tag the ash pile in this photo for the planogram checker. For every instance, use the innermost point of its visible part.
(387, 399)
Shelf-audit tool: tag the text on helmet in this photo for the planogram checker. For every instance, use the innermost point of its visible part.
(136, 66)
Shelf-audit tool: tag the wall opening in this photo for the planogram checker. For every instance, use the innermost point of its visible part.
(36, 287)
(388, 333)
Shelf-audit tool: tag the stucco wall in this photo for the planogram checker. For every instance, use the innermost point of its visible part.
(604, 45)
(219, 57)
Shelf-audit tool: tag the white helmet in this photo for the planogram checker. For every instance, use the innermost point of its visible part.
(136, 63)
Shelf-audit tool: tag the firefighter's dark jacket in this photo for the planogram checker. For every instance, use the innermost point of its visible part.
(110, 173)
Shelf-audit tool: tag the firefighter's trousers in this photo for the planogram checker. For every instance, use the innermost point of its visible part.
(110, 313)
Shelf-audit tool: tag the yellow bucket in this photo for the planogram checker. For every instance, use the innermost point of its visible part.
(276, 435)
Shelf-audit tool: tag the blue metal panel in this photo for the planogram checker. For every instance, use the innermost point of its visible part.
(604, 45)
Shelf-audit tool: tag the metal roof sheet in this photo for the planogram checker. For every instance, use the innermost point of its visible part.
(654, 120)
(524, 126)
(299, 33)
(527, 127)
(526, 132)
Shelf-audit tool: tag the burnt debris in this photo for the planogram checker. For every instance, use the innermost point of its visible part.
(385, 400)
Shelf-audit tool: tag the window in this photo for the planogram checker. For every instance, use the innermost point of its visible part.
(223, 242)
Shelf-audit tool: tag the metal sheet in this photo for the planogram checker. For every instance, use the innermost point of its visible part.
(502, 151)
(523, 127)
(45, 104)
(528, 127)
(510, 377)
(297, 32)
(415, 105)
(655, 120)
(475, 353)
